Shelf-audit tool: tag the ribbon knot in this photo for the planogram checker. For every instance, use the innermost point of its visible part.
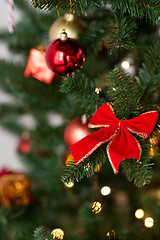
(122, 144)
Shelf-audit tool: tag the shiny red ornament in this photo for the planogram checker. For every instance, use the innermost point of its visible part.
(37, 67)
(75, 131)
(64, 56)
(24, 145)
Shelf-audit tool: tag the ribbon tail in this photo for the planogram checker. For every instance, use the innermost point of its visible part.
(123, 146)
(83, 148)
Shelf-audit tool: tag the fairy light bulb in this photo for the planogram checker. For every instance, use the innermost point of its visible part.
(105, 190)
(69, 184)
(149, 222)
(139, 213)
(125, 65)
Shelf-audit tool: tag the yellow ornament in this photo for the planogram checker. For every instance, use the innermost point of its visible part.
(74, 27)
(58, 233)
(96, 207)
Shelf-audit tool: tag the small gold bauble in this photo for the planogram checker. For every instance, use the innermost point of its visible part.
(96, 207)
(74, 27)
(58, 233)
(69, 159)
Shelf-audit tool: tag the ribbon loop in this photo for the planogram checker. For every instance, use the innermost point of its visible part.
(122, 145)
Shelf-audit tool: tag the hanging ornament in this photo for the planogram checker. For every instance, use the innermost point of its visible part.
(75, 131)
(24, 143)
(64, 55)
(15, 189)
(58, 233)
(37, 67)
(11, 16)
(96, 207)
(122, 145)
(74, 27)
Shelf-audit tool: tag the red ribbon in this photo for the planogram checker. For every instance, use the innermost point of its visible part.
(122, 145)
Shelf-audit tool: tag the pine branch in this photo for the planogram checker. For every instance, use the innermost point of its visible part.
(82, 90)
(87, 168)
(42, 233)
(149, 74)
(121, 34)
(139, 172)
(78, 5)
(125, 94)
(150, 9)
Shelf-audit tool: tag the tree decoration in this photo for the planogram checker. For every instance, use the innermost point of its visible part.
(74, 27)
(64, 55)
(75, 131)
(24, 143)
(69, 159)
(37, 67)
(58, 233)
(111, 235)
(96, 207)
(11, 16)
(15, 189)
(122, 145)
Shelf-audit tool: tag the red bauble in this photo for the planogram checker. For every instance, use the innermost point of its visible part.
(24, 145)
(75, 131)
(64, 56)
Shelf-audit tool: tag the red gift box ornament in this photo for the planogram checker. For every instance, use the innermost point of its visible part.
(37, 67)
(122, 144)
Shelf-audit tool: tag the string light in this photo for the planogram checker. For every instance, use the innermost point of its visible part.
(125, 65)
(58, 233)
(97, 90)
(69, 184)
(149, 222)
(105, 190)
(96, 207)
(139, 213)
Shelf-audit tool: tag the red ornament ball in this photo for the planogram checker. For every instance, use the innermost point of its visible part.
(24, 144)
(75, 131)
(64, 56)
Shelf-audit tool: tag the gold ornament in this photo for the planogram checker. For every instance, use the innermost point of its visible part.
(74, 27)
(70, 184)
(97, 168)
(96, 207)
(15, 189)
(58, 233)
(69, 159)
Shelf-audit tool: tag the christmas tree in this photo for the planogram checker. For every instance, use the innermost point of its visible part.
(116, 93)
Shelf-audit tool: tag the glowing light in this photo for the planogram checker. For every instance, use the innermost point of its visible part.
(139, 213)
(96, 207)
(125, 65)
(149, 222)
(69, 17)
(105, 190)
(97, 90)
(69, 184)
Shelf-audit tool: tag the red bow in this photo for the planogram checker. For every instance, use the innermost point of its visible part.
(123, 144)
